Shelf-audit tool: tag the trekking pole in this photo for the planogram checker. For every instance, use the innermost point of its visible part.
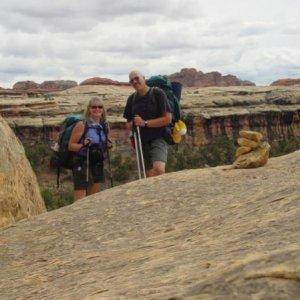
(109, 168)
(137, 153)
(57, 177)
(87, 167)
(141, 151)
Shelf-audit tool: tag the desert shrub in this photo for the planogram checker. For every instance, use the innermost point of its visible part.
(183, 156)
(56, 198)
(285, 146)
(38, 154)
(220, 152)
(122, 167)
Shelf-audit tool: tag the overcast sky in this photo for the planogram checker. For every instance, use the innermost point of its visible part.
(257, 40)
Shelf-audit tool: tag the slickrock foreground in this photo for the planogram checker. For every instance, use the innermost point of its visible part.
(19, 192)
(197, 234)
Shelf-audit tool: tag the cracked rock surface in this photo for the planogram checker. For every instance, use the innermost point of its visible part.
(195, 234)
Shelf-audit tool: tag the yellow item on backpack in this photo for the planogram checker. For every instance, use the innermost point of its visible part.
(179, 130)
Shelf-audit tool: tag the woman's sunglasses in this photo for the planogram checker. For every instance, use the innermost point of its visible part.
(132, 80)
(96, 106)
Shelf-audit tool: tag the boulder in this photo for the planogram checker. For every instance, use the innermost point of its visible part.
(286, 82)
(26, 85)
(254, 159)
(247, 143)
(252, 153)
(57, 85)
(19, 191)
(251, 135)
(242, 150)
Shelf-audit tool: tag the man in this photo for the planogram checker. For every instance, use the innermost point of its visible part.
(149, 109)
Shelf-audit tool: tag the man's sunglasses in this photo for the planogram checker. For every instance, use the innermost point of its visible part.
(132, 80)
(96, 106)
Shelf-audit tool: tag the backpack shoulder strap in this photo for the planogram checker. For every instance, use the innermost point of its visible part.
(105, 128)
(133, 101)
(86, 127)
(153, 94)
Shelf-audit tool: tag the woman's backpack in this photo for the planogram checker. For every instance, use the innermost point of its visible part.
(62, 158)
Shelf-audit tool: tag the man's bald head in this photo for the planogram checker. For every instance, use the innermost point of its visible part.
(135, 73)
(137, 80)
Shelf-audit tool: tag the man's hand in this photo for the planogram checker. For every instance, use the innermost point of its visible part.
(138, 121)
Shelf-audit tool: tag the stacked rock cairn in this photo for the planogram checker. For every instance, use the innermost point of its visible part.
(252, 152)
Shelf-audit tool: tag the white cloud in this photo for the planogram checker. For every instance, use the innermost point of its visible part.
(41, 40)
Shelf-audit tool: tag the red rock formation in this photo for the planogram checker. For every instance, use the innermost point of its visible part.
(25, 85)
(286, 82)
(192, 77)
(34, 88)
(101, 81)
(57, 85)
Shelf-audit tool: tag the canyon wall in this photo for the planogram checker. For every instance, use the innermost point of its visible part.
(208, 112)
(274, 124)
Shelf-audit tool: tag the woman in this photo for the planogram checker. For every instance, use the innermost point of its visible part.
(89, 140)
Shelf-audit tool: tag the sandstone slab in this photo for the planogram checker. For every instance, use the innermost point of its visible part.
(195, 234)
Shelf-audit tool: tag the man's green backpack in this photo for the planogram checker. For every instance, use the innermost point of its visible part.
(173, 93)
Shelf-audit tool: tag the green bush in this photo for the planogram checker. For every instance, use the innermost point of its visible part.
(183, 156)
(55, 198)
(38, 154)
(285, 146)
(220, 152)
(122, 167)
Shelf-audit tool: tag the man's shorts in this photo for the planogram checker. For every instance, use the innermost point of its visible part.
(96, 173)
(156, 150)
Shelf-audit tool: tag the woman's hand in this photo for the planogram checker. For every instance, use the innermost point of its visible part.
(109, 144)
(86, 142)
